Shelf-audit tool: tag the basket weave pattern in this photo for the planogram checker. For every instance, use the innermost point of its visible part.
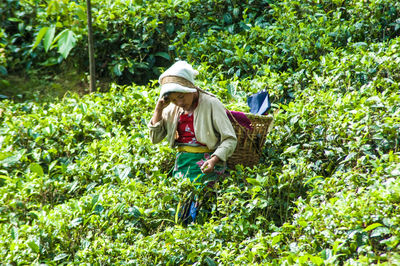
(250, 142)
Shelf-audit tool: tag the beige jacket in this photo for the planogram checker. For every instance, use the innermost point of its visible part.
(212, 126)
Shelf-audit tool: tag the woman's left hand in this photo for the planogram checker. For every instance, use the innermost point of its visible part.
(208, 165)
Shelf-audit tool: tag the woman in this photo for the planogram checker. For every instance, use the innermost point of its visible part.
(196, 123)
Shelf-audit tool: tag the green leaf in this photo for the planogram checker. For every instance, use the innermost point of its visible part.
(210, 261)
(52, 165)
(14, 19)
(163, 55)
(134, 211)
(39, 37)
(122, 171)
(12, 159)
(14, 233)
(95, 199)
(91, 186)
(98, 208)
(395, 172)
(60, 257)
(227, 18)
(326, 253)
(253, 181)
(74, 186)
(178, 208)
(80, 12)
(75, 222)
(231, 90)
(380, 231)
(5, 178)
(170, 28)
(34, 245)
(350, 156)
(316, 260)
(117, 70)
(312, 179)
(33, 214)
(276, 239)
(372, 227)
(48, 38)
(66, 41)
(3, 70)
(292, 149)
(36, 168)
(360, 44)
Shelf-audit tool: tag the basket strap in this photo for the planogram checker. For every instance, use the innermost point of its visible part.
(233, 117)
(205, 92)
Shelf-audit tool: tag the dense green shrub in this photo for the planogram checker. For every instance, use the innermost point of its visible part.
(133, 40)
(80, 181)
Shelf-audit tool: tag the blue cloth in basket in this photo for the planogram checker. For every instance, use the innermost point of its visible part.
(259, 103)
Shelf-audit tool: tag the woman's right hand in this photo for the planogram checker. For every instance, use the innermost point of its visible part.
(160, 106)
(162, 103)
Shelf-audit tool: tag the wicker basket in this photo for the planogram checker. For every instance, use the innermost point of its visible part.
(250, 142)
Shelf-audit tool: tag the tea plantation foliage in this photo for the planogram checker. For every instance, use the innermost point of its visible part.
(80, 181)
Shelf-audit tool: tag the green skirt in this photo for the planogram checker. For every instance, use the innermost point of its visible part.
(187, 165)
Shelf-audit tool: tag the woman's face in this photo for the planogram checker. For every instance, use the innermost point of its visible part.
(183, 100)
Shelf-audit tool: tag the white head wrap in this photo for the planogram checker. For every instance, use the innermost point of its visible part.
(178, 78)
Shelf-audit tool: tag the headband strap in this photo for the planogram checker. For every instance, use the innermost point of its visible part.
(178, 80)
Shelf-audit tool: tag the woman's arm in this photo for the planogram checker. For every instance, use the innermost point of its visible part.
(223, 126)
(160, 106)
(227, 136)
(156, 125)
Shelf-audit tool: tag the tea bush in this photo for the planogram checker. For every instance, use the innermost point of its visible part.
(133, 40)
(80, 181)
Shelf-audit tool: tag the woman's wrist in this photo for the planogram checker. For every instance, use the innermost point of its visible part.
(159, 109)
(214, 159)
(157, 116)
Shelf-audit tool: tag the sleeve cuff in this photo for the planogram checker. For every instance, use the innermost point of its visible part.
(220, 155)
(155, 126)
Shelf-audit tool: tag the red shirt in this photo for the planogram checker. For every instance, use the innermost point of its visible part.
(186, 130)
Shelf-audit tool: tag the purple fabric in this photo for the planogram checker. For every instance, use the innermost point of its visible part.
(240, 117)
